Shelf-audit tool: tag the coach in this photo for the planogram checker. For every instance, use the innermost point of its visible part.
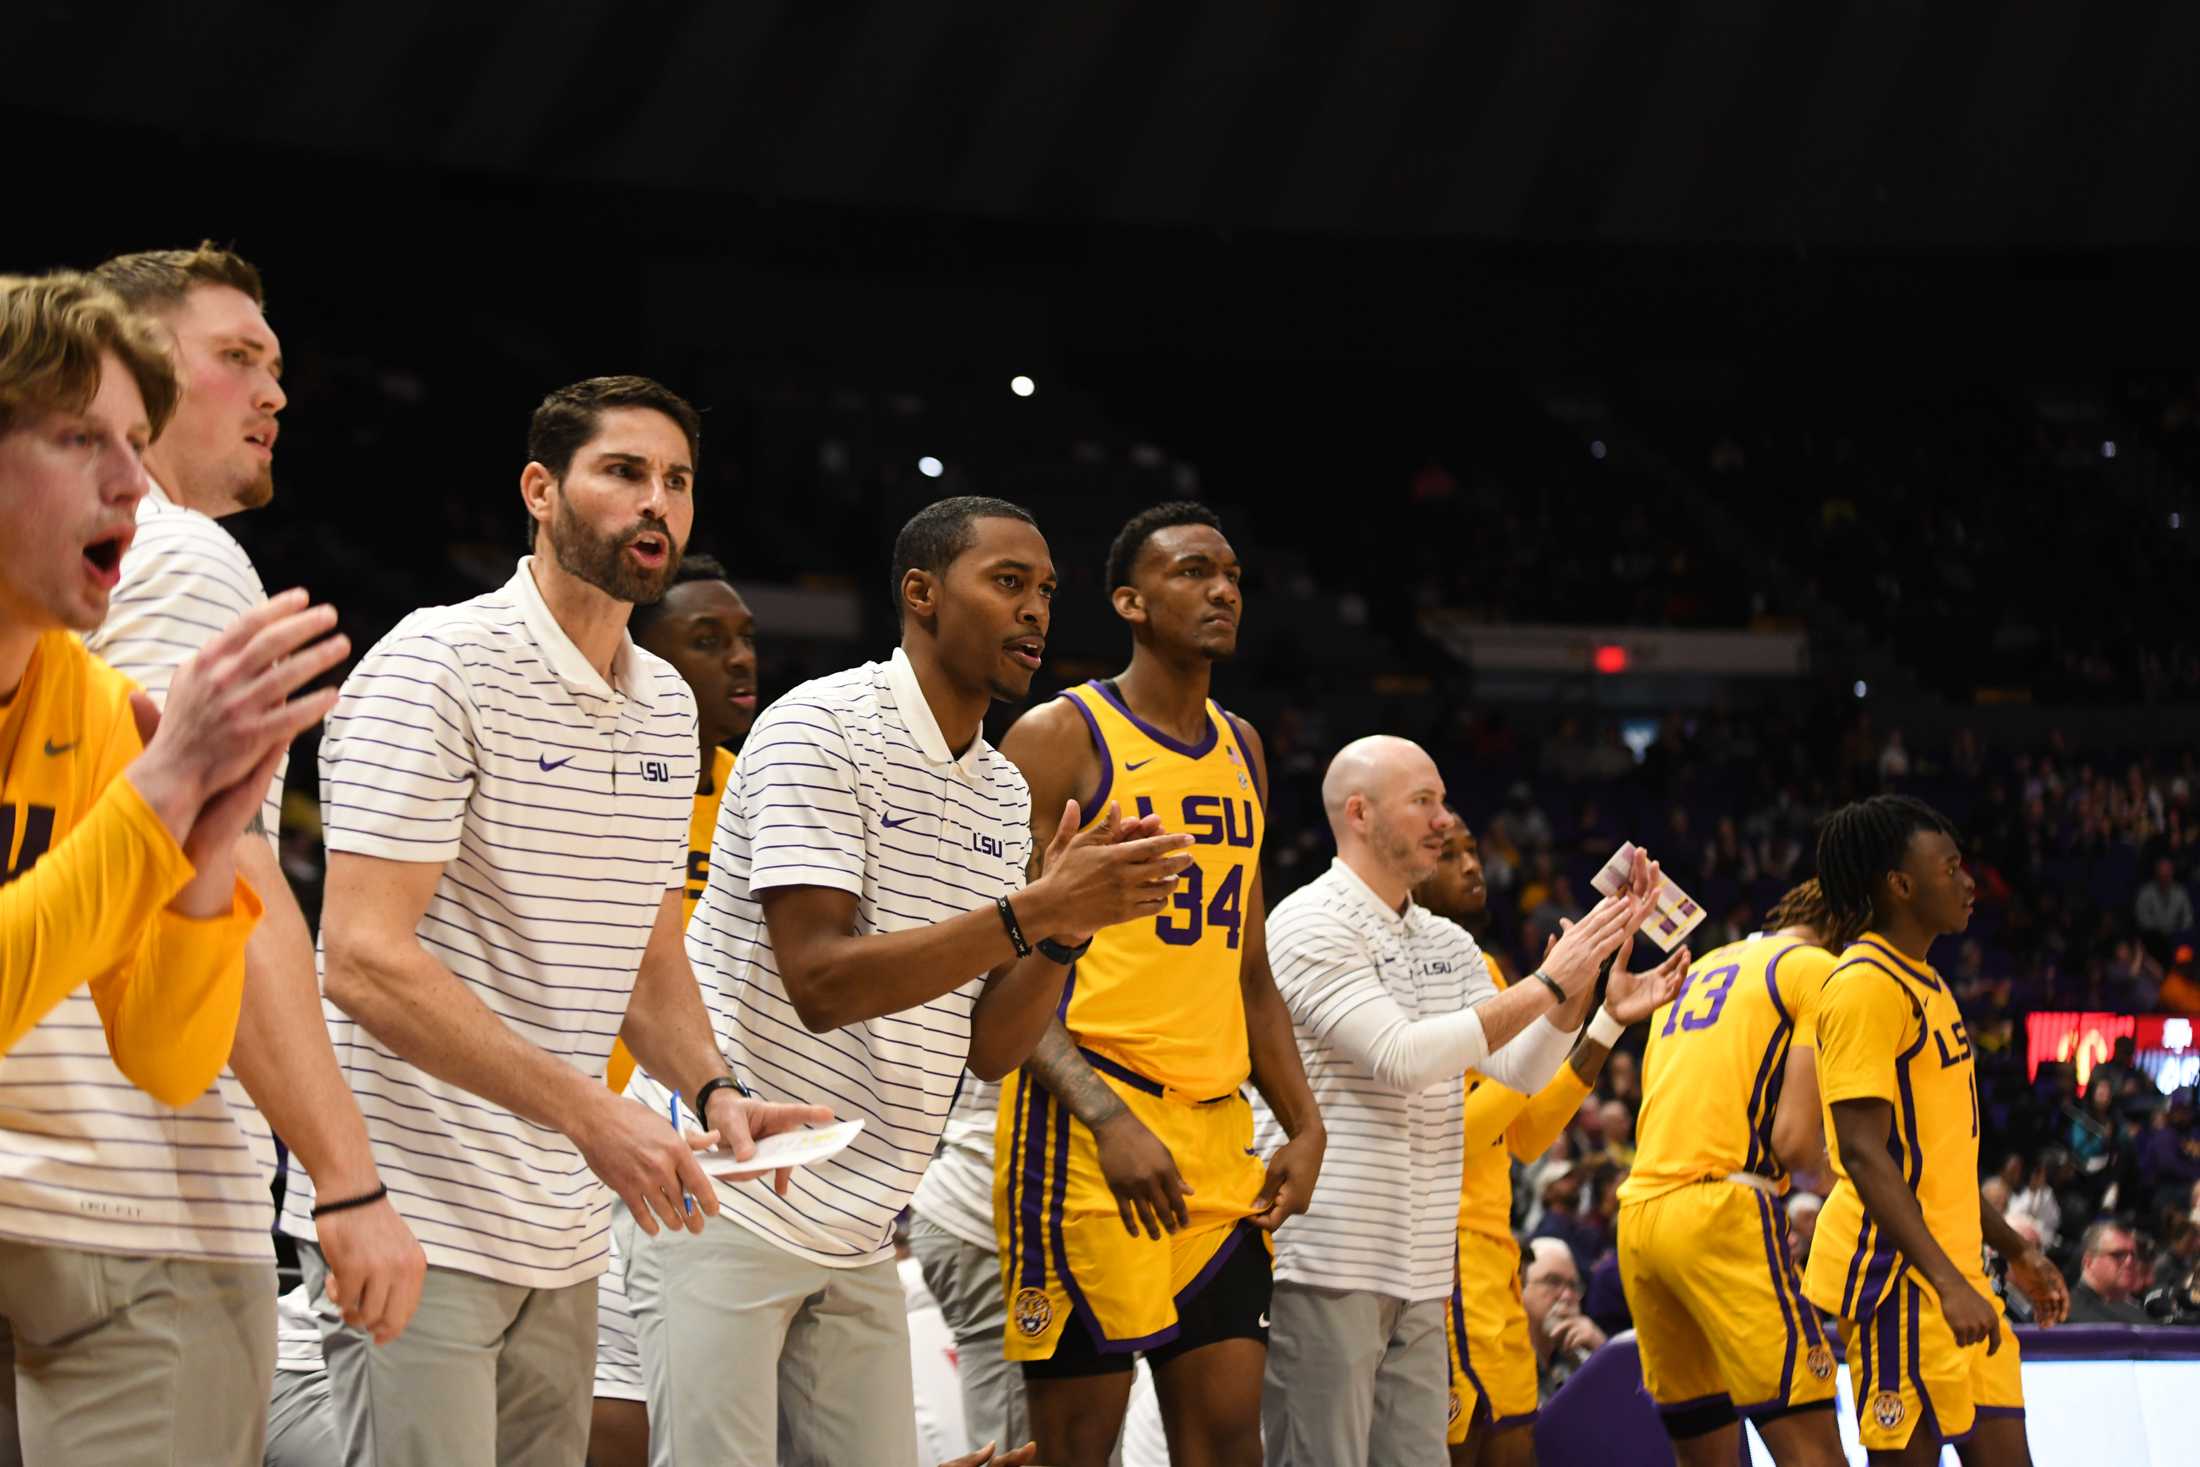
(1392, 1005)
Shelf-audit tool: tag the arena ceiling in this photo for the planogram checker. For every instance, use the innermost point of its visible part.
(1886, 124)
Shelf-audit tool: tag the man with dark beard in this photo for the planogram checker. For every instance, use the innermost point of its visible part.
(505, 789)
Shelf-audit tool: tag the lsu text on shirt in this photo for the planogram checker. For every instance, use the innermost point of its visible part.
(1713, 1064)
(89, 1158)
(847, 782)
(1384, 1214)
(477, 738)
(1889, 1029)
(1163, 998)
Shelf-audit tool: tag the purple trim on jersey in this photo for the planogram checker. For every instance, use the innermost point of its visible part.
(1213, 1266)
(1901, 962)
(1030, 1224)
(1199, 750)
(1776, 1260)
(1458, 1312)
(1252, 772)
(1107, 761)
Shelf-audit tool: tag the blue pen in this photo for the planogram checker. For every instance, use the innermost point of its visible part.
(672, 1111)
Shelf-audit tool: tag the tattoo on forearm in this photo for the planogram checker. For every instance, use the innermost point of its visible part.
(1588, 1061)
(1063, 1070)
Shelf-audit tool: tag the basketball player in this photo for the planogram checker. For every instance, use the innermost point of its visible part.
(866, 935)
(110, 1350)
(1493, 1369)
(183, 577)
(506, 787)
(1724, 1330)
(1130, 1208)
(705, 630)
(1897, 1252)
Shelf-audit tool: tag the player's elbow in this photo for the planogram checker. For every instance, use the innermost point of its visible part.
(817, 996)
(1797, 1145)
(987, 1066)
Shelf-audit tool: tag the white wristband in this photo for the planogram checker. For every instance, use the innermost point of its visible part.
(1604, 1029)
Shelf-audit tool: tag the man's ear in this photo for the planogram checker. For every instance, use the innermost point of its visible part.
(538, 490)
(1129, 605)
(920, 592)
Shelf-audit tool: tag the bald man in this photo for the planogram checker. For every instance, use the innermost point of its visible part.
(1391, 1006)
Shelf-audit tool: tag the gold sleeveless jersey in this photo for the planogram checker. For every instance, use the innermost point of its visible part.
(1161, 997)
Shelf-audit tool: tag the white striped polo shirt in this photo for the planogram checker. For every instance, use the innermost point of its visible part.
(847, 782)
(88, 1160)
(956, 1194)
(1384, 1213)
(478, 737)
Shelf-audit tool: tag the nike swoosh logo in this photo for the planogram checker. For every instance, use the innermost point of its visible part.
(1141, 764)
(549, 763)
(892, 824)
(53, 749)
(1264, 1319)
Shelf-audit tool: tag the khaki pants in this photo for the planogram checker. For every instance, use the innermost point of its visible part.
(755, 1357)
(129, 1361)
(967, 1283)
(1354, 1380)
(486, 1375)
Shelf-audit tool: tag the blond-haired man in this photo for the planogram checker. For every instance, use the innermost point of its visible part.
(122, 914)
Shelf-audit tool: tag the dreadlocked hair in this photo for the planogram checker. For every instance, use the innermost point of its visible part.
(1805, 906)
(1860, 843)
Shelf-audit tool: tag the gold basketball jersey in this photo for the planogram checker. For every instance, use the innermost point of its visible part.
(1161, 997)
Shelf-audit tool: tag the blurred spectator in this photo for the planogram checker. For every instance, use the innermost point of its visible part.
(2163, 909)
(1802, 1215)
(1550, 1291)
(1621, 1079)
(1563, 1219)
(2105, 1288)
(2037, 1201)
(1545, 921)
(2132, 981)
(2092, 1134)
(1618, 1121)
(1524, 827)
(1997, 1194)
(1894, 759)
(2169, 1157)
(2020, 1307)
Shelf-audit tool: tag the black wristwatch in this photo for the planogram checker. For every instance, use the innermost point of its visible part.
(710, 1088)
(1054, 952)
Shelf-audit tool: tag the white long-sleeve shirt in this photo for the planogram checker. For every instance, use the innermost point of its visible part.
(1382, 1004)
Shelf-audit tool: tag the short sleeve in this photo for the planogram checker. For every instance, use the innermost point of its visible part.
(1800, 978)
(399, 756)
(1865, 1019)
(797, 784)
(1322, 970)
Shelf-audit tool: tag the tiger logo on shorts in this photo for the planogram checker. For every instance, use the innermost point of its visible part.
(1887, 1409)
(1820, 1361)
(1033, 1312)
(1451, 1415)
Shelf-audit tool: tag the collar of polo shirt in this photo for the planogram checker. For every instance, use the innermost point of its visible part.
(1367, 896)
(565, 659)
(916, 713)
